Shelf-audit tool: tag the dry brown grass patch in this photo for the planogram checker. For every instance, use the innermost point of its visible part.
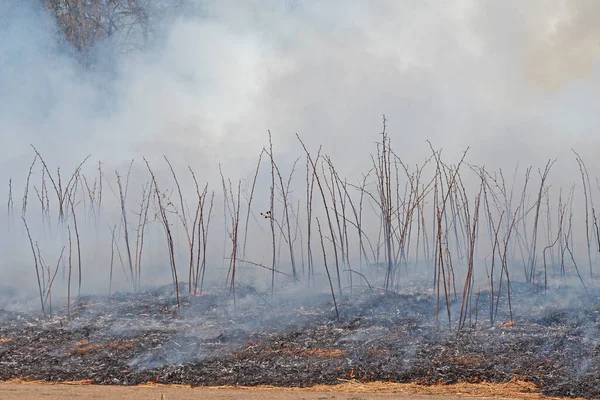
(376, 352)
(26, 381)
(517, 389)
(85, 348)
(467, 360)
(325, 353)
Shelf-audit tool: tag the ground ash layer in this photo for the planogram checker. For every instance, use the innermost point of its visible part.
(288, 340)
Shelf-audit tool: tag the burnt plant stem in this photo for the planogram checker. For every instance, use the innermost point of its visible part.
(36, 265)
(322, 191)
(122, 199)
(337, 314)
(69, 273)
(272, 218)
(78, 243)
(169, 236)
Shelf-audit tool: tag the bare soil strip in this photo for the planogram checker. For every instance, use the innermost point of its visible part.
(350, 390)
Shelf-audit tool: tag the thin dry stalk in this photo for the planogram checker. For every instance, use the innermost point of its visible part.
(112, 259)
(36, 264)
(235, 221)
(10, 205)
(248, 212)
(586, 185)
(327, 270)
(122, 199)
(169, 236)
(240, 260)
(48, 297)
(271, 213)
(532, 254)
(467, 289)
(190, 232)
(25, 194)
(139, 241)
(79, 265)
(322, 191)
(69, 273)
(191, 275)
(310, 185)
(286, 211)
(204, 227)
(61, 193)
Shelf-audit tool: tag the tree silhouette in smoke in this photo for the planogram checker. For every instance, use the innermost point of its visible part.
(128, 24)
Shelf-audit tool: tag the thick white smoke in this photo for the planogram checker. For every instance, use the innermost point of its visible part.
(515, 82)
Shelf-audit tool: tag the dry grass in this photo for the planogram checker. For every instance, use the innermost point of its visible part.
(84, 347)
(516, 388)
(467, 360)
(325, 353)
(513, 389)
(311, 353)
(5, 340)
(26, 381)
(377, 352)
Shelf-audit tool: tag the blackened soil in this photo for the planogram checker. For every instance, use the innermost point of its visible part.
(135, 338)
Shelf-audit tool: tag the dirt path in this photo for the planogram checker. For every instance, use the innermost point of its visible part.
(93, 392)
(60, 392)
(352, 391)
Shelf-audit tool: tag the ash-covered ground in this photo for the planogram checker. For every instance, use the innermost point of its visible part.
(292, 340)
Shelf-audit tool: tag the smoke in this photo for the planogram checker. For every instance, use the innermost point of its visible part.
(564, 48)
(460, 74)
(516, 83)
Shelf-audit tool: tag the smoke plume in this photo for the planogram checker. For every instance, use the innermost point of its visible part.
(515, 83)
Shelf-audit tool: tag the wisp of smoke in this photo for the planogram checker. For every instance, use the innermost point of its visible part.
(515, 83)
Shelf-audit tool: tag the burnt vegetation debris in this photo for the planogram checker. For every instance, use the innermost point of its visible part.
(466, 292)
(511, 263)
(437, 279)
(144, 337)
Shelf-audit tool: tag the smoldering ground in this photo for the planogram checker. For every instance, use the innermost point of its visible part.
(290, 341)
(444, 238)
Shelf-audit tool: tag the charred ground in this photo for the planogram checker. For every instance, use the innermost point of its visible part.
(130, 339)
